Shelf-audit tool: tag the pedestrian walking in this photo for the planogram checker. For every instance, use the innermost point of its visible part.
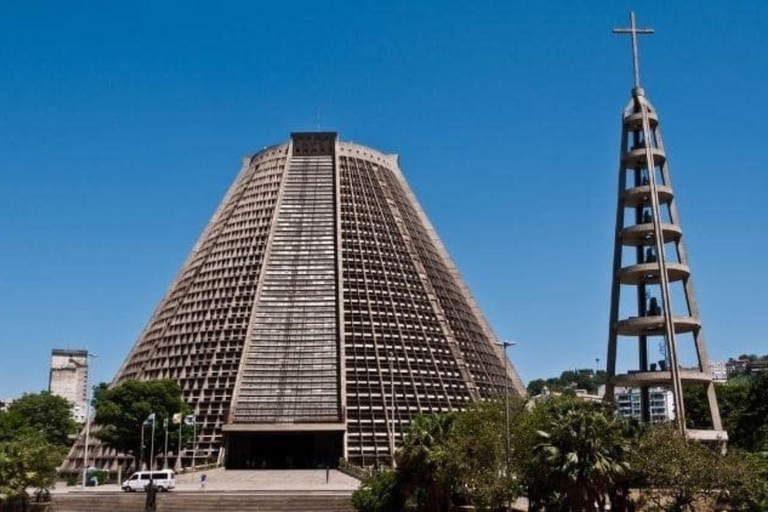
(203, 479)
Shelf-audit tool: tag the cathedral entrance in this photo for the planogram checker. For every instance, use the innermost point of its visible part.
(283, 450)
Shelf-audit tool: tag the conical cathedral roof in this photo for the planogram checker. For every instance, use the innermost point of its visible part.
(319, 298)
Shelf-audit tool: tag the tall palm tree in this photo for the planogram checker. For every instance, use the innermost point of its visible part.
(581, 456)
(419, 461)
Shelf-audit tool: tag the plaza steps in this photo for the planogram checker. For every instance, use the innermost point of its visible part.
(233, 501)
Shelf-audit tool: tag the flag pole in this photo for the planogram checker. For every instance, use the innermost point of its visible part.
(141, 450)
(152, 449)
(179, 464)
(165, 453)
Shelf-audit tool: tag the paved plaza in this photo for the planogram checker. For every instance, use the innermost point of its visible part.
(269, 480)
(220, 479)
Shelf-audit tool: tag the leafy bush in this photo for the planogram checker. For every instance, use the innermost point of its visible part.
(674, 472)
(379, 492)
(29, 460)
(565, 454)
(744, 481)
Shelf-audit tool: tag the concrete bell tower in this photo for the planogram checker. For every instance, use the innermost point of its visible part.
(650, 266)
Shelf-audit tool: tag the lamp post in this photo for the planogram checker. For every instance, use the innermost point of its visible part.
(87, 414)
(506, 344)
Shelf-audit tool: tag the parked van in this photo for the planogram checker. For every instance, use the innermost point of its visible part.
(164, 479)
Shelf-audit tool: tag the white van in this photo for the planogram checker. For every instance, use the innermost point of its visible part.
(164, 479)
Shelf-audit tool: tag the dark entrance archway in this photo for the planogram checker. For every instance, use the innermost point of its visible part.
(283, 450)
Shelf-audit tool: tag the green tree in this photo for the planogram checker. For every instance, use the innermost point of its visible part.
(697, 407)
(584, 378)
(741, 415)
(536, 387)
(381, 491)
(28, 460)
(751, 427)
(675, 473)
(743, 481)
(11, 424)
(48, 414)
(122, 410)
(419, 461)
(573, 454)
(446, 460)
(475, 456)
(98, 392)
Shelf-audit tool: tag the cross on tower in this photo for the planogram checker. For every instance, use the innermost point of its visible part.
(634, 31)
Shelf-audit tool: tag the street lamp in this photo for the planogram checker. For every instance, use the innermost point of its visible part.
(87, 416)
(506, 344)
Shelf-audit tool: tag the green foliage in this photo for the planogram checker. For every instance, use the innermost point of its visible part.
(419, 461)
(744, 481)
(379, 492)
(447, 459)
(674, 472)
(751, 430)
(28, 460)
(11, 424)
(697, 406)
(732, 399)
(536, 387)
(584, 378)
(98, 392)
(743, 403)
(48, 414)
(475, 456)
(33, 436)
(572, 454)
(566, 454)
(122, 410)
(678, 474)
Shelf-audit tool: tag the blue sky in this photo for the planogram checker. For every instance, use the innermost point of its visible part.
(121, 128)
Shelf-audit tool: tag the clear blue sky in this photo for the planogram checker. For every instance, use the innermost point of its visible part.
(122, 127)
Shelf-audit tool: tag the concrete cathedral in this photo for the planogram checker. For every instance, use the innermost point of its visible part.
(317, 314)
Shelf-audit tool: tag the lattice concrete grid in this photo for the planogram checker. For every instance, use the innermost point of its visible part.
(315, 317)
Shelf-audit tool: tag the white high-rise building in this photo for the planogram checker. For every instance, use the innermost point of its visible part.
(719, 371)
(629, 404)
(69, 379)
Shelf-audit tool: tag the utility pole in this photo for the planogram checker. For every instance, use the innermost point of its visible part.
(505, 345)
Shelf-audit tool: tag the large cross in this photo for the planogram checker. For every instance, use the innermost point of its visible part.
(634, 31)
